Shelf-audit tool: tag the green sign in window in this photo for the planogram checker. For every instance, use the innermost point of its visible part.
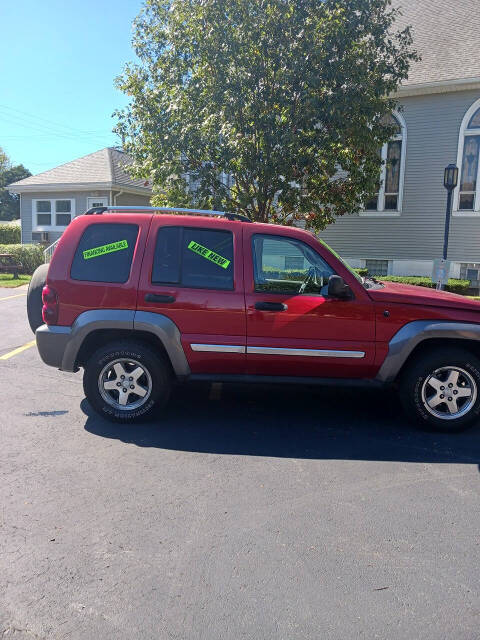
(104, 249)
(208, 254)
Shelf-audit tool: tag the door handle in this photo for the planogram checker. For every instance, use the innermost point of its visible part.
(158, 297)
(270, 306)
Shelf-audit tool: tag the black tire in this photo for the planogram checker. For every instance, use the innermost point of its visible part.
(34, 297)
(422, 385)
(131, 354)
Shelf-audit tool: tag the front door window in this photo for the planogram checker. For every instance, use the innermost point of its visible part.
(286, 265)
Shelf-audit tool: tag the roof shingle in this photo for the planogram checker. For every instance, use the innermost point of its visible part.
(105, 167)
(447, 37)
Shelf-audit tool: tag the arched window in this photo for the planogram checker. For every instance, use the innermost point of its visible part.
(390, 187)
(468, 191)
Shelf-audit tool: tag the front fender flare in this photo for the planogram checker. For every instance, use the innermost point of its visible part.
(412, 334)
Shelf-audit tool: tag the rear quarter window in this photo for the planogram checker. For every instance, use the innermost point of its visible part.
(105, 253)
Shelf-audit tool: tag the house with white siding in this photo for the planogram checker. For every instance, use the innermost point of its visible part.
(400, 231)
(51, 199)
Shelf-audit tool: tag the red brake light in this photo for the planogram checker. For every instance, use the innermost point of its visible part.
(50, 305)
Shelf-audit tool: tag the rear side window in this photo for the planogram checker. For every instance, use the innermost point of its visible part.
(192, 257)
(104, 253)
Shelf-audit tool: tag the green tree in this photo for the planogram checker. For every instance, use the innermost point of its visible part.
(288, 97)
(10, 204)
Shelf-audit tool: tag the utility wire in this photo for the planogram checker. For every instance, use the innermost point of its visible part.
(47, 131)
(36, 118)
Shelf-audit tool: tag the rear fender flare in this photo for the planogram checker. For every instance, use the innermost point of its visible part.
(155, 323)
(168, 334)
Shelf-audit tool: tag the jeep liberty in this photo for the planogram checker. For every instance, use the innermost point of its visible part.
(142, 297)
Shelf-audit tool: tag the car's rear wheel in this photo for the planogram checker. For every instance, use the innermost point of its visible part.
(441, 389)
(126, 382)
(34, 297)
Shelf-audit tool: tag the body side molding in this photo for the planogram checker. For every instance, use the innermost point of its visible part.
(412, 334)
(278, 351)
(314, 353)
(218, 348)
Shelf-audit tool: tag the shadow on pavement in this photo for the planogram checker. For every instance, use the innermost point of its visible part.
(291, 422)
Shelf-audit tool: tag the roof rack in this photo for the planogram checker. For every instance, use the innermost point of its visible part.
(200, 212)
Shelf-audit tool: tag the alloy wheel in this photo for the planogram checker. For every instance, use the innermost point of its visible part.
(125, 384)
(449, 392)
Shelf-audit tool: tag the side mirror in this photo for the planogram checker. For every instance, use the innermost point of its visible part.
(337, 288)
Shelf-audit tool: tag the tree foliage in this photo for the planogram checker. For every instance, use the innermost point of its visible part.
(10, 203)
(285, 96)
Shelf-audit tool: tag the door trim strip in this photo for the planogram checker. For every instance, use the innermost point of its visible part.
(277, 351)
(316, 353)
(218, 348)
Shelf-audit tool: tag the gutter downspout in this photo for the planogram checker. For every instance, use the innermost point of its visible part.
(115, 196)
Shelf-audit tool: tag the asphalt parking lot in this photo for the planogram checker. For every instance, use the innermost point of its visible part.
(254, 513)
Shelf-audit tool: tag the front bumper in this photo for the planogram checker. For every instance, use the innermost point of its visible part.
(51, 343)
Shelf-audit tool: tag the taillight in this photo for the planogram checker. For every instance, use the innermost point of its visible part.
(50, 305)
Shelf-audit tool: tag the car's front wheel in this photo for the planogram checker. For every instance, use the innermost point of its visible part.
(441, 389)
(126, 381)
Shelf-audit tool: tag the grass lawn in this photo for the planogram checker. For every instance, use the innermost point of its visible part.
(7, 280)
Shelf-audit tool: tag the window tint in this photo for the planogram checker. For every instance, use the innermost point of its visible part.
(104, 253)
(166, 262)
(192, 257)
(272, 254)
(207, 259)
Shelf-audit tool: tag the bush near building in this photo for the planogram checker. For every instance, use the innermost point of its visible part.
(453, 285)
(29, 255)
(10, 234)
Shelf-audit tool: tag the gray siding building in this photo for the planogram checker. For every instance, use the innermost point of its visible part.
(400, 232)
(51, 199)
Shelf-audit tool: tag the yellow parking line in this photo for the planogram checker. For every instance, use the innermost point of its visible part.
(18, 295)
(24, 347)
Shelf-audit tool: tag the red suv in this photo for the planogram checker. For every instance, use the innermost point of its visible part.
(141, 300)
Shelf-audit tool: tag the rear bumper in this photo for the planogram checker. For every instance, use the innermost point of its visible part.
(51, 343)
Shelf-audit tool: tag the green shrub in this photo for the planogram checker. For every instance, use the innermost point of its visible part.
(9, 234)
(284, 274)
(361, 272)
(30, 255)
(453, 285)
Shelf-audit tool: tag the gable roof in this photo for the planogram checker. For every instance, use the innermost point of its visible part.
(446, 35)
(105, 169)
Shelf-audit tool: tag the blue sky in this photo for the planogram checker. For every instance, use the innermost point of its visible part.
(58, 61)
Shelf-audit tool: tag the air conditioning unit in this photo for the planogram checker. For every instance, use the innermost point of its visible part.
(44, 236)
